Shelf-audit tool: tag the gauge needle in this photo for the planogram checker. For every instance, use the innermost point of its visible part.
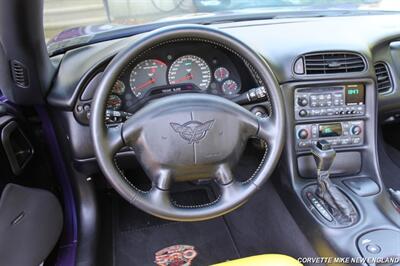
(186, 77)
(232, 86)
(147, 83)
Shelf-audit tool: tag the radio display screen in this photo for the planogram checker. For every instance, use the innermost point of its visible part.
(354, 94)
(330, 130)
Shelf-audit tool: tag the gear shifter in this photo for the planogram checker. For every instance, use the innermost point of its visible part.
(338, 204)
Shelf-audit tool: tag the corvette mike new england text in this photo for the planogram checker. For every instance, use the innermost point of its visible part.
(348, 260)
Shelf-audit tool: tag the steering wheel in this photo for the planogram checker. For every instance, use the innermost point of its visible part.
(188, 136)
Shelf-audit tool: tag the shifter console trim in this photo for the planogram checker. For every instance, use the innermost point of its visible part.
(324, 213)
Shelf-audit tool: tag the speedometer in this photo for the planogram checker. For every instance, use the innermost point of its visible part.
(146, 75)
(190, 69)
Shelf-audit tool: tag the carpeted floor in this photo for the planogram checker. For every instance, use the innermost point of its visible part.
(138, 236)
(263, 225)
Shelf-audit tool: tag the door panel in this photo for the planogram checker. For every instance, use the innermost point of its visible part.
(31, 217)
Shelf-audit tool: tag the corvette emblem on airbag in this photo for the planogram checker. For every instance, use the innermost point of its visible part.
(192, 131)
(178, 255)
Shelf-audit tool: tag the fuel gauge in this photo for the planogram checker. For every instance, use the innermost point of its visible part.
(230, 87)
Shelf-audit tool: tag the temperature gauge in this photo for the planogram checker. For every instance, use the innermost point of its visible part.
(230, 87)
(221, 73)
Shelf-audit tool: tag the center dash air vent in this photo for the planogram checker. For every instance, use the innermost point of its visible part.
(383, 78)
(330, 63)
(19, 74)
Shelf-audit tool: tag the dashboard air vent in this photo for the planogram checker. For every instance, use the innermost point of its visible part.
(383, 78)
(19, 74)
(333, 63)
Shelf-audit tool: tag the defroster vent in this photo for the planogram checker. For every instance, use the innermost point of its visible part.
(19, 74)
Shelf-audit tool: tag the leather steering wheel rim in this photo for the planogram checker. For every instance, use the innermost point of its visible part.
(136, 132)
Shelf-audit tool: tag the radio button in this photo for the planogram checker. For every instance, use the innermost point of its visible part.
(303, 113)
(302, 101)
(334, 142)
(303, 144)
(345, 141)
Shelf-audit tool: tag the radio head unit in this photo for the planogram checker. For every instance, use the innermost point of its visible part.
(334, 101)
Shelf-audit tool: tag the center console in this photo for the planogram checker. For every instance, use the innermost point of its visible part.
(341, 114)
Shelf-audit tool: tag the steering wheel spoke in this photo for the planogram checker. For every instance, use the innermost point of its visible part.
(224, 174)
(162, 179)
(114, 139)
(267, 130)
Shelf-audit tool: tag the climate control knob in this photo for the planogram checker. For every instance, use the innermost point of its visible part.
(302, 101)
(355, 130)
(302, 134)
(303, 113)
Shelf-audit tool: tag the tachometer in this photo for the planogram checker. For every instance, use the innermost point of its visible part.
(190, 69)
(146, 75)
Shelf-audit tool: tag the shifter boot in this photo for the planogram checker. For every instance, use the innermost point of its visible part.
(339, 206)
(337, 203)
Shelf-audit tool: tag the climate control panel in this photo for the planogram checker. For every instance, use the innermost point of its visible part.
(335, 101)
(347, 133)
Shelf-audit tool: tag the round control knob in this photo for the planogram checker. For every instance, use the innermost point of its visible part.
(259, 111)
(302, 134)
(303, 113)
(302, 101)
(356, 130)
(373, 248)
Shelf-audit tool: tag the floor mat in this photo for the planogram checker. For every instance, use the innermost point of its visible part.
(264, 226)
(139, 236)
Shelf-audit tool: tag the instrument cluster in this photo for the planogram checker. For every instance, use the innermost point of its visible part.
(178, 69)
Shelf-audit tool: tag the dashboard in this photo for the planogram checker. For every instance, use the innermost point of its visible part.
(199, 67)
(327, 95)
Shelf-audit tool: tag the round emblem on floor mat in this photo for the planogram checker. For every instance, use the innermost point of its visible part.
(177, 255)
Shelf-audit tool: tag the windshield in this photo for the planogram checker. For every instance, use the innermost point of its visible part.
(86, 17)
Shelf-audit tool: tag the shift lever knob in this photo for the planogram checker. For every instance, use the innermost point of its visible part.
(324, 155)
